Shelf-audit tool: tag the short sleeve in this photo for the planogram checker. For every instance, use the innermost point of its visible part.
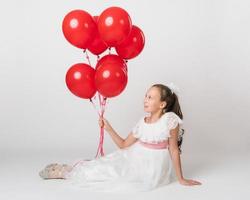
(173, 120)
(135, 130)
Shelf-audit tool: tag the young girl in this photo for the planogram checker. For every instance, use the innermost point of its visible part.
(144, 160)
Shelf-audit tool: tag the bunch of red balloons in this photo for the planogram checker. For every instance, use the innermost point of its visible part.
(112, 29)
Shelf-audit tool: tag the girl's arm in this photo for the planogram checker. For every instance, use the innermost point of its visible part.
(175, 156)
(174, 152)
(116, 138)
(119, 141)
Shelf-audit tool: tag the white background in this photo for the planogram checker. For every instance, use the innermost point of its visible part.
(201, 46)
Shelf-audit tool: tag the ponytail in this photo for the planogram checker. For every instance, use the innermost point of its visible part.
(173, 105)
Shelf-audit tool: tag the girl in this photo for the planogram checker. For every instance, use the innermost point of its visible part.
(144, 160)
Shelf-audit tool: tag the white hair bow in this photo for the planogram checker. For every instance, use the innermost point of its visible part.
(174, 88)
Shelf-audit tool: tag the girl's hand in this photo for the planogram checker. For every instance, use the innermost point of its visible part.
(105, 124)
(189, 182)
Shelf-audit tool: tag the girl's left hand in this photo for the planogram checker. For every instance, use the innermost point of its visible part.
(105, 124)
(189, 182)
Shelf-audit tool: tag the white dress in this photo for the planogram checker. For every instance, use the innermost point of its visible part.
(132, 169)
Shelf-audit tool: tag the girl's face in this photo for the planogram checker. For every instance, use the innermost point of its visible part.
(152, 101)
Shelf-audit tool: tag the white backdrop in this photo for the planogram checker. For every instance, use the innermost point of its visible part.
(201, 46)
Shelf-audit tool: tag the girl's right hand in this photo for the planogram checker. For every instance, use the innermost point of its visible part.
(189, 182)
(103, 123)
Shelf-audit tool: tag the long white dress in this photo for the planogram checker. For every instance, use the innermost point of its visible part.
(132, 169)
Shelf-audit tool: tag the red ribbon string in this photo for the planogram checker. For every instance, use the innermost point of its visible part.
(102, 103)
(97, 59)
(87, 56)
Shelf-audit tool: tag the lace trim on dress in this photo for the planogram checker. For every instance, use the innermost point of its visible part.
(158, 131)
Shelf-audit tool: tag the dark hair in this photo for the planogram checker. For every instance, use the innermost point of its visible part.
(172, 105)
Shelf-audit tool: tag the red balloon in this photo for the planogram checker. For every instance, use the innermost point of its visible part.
(112, 59)
(79, 28)
(80, 80)
(132, 45)
(114, 25)
(110, 79)
(97, 46)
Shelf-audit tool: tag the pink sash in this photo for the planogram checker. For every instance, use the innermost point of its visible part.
(159, 145)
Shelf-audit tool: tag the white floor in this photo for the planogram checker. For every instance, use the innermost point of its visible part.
(225, 177)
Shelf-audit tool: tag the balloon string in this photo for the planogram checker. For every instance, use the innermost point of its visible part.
(100, 138)
(104, 105)
(94, 105)
(101, 128)
(87, 56)
(102, 102)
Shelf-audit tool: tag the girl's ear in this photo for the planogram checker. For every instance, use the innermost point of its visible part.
(163, 104)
